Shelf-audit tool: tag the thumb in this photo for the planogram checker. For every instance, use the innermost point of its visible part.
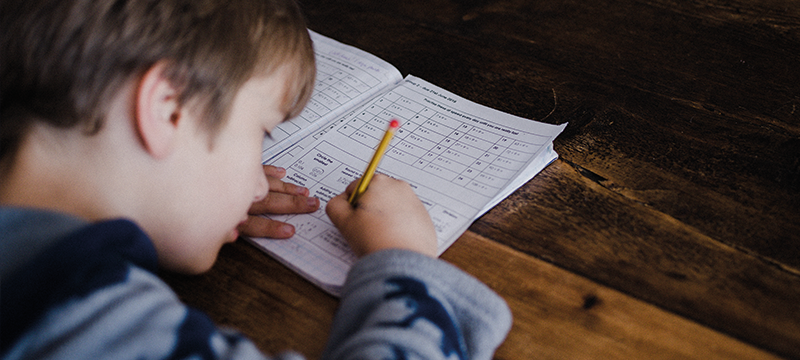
(338, 208)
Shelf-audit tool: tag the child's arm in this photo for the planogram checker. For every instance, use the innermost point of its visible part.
(401, 304)
(283, 198)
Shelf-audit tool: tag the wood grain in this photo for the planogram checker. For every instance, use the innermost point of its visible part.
(680, 179)
(560, 315)
(567, 218)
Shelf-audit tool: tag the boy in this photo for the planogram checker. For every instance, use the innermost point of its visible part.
(131, 136)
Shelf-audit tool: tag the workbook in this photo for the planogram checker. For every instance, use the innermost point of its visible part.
(461, 158)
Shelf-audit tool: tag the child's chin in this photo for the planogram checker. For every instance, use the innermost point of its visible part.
(201, 268)
(232, 236)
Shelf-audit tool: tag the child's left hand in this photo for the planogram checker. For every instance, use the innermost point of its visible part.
(283, 198)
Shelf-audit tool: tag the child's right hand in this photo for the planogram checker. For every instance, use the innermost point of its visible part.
(388, 216)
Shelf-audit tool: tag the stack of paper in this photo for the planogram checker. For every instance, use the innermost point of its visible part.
(460, 157)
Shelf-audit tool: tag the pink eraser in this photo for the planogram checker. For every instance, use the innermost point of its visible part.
(394, 124)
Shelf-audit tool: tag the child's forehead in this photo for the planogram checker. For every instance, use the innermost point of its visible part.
(267, 96)
(297, 82)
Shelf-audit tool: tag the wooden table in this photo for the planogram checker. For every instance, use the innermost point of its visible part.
(670, 225)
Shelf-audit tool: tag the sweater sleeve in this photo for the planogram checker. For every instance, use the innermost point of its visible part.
(93, 295)
(398, 304)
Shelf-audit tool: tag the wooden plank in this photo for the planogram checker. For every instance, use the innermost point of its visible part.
(560, 315)
(662, 87)
(568, 218)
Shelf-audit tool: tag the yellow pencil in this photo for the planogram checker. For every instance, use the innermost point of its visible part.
(373, 164)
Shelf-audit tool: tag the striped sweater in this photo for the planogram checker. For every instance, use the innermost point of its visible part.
(77, 290)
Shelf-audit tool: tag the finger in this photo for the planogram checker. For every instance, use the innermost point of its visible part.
(352, 187)
(279, 203)
(277, 185)
(377, 178)
(257, 226)
(274, 171)
(338, 208)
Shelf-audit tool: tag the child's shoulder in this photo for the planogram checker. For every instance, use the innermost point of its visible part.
(64, 272)
(92, 289)
(49, 239)
(27, 232)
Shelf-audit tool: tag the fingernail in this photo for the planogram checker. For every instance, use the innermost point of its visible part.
(312, 202)
(287, 229)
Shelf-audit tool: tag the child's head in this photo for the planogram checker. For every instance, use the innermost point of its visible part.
(231, 68)
(64, 60)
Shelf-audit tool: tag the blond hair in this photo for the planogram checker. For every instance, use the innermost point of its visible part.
(63, 60)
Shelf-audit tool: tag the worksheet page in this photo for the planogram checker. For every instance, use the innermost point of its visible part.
(346, 77)
(460, 158)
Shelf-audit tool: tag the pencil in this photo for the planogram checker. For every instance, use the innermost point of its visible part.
(373, 164)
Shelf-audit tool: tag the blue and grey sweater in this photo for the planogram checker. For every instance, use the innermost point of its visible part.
(75, 290)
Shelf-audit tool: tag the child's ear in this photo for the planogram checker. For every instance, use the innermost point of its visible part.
(157, 112)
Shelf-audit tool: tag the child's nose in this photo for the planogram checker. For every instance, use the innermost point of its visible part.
(262, 187)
